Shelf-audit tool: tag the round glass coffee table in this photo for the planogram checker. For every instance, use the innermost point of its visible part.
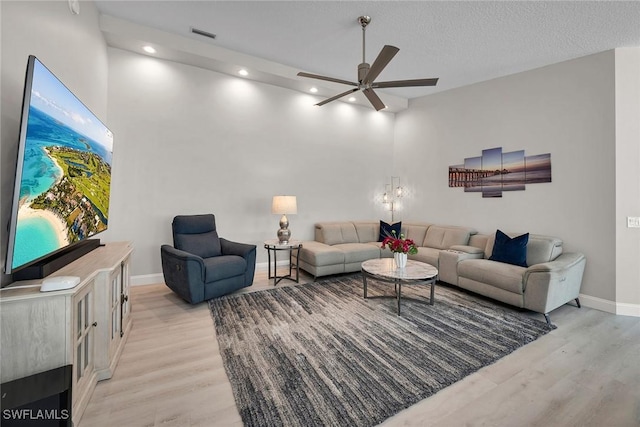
(385, 270)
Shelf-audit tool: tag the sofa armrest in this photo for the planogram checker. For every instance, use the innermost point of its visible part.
(565, 261)
(183, 272)
(448, 260)
(468, 250)
(549, 285)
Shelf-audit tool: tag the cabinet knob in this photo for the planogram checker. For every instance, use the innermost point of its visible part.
(94, 324)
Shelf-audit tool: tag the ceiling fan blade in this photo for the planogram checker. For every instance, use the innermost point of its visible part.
(329, 79)
(406, 83)
(374, 99)
(333, 98)
(386, 54)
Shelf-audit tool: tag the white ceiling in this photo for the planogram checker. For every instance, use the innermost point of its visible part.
(460, 42)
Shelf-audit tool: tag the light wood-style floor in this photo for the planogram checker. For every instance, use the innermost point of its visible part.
(585, 373)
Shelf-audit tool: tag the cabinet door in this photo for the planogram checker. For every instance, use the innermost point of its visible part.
(115, 291)
(125, 309)
(83, 329)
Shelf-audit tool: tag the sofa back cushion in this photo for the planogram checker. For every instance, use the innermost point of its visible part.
(543, 249)
(480, 241)
(367, 231)
(334, 233)
(415, 231)
(444, 237)
(539, 248)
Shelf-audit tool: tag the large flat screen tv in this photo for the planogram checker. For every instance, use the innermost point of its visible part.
(63, 178)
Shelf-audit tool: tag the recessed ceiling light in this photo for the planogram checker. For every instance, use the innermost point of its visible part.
(149, 49)
(313, 90)
(243, 72)
(352, 99)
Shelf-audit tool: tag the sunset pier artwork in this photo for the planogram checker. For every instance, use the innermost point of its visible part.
(495, 172)
(461, 177)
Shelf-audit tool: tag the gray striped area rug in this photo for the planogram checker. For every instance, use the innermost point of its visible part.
(319, 354)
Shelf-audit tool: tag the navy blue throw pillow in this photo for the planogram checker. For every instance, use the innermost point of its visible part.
(512, 251)
(387, 229)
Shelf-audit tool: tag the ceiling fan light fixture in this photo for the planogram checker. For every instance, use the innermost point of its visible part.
(243, 72)
(313, 89)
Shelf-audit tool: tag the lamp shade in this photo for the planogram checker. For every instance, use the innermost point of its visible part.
(284, 205)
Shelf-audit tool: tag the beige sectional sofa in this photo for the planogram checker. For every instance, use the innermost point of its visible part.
(341, 247)
(461, 255)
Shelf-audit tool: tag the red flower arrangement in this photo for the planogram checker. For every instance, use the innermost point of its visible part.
(399, 244)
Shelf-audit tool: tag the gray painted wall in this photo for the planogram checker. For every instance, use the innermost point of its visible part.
(189, 140)
(627, 178)
(566, 109)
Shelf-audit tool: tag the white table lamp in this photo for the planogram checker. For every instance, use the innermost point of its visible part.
(284, 205)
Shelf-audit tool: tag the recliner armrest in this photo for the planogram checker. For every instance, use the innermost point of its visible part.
(549, 285)
(236, 248)
(246, 251)
(564, 261)
(180, 256)
(183, 272)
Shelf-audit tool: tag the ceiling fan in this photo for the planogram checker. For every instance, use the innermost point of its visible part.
(368, 73)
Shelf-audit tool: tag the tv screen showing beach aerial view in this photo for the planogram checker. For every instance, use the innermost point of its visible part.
(65, 174)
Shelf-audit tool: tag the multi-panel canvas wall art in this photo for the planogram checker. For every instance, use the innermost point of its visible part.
(495, 172)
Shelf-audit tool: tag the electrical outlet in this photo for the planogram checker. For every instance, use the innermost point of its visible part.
(633, 221)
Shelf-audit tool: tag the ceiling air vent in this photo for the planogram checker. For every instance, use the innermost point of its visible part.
(203, 33)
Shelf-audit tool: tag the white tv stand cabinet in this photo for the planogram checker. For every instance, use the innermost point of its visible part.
(86, 326)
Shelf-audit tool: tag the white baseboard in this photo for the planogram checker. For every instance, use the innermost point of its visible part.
(625, 309)
(153, 279)
(608, 306)
(147, 279)
(598, 303)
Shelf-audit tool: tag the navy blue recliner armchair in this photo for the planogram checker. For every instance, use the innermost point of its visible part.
(200, 265)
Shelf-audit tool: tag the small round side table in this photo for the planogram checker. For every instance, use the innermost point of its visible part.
(275, 246)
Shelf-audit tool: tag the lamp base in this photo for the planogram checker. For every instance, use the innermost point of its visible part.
(284, 234)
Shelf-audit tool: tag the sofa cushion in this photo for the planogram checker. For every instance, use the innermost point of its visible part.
(204, 245)
(319, 254)
(443, 238)
(336, 232)
(543, 249)
(387, 230)
(428, 255)
(223, 267)
(494, 273)
(358, 252)
(512, 250)
(415, 232)
(367, 231)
